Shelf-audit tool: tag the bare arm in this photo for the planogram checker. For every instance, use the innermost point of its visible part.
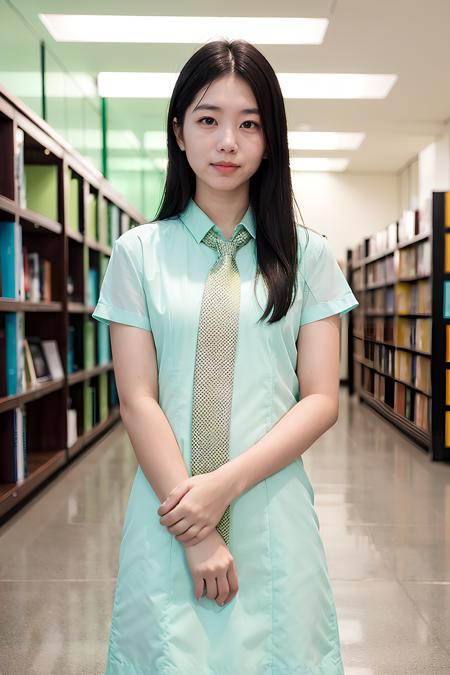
(152, 437)
(318, 348)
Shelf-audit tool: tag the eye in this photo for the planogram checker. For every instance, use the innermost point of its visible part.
(206, 118)
(202, 119)
(251, 122)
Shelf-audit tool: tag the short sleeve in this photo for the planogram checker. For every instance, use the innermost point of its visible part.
(325, 288)
(122, 297)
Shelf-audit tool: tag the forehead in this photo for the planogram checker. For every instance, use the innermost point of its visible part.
(227, 93)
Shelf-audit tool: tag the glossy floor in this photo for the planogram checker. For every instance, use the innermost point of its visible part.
(384, 512)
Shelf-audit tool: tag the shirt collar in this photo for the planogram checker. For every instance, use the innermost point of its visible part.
(199, 223)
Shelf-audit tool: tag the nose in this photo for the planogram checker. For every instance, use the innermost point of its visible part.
(227, 140)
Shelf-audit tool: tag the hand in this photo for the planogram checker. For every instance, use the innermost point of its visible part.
(193, 508)
(211, 562)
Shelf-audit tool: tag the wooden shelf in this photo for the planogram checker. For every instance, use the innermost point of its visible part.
(36, 220)
(41, 466)
(44, 465)
(38, 391)
(364, 376)
(71, 253)
(371, 312)
(97, 430)
(82, 375)
(369, 364)
(394, 346)
(7, 206)
(98, 246)
(79, 308)
(417, 434)
(8, 305)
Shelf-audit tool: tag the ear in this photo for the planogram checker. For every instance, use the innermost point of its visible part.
(178, 133)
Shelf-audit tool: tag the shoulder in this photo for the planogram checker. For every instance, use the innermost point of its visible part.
(311, 243)
(141, 236)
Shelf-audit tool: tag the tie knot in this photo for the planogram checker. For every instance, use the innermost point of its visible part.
(227, 246)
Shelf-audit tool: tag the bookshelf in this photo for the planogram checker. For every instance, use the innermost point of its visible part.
(59, 218)
(399, 338)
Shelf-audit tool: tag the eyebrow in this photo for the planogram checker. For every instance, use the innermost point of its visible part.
(206, 106)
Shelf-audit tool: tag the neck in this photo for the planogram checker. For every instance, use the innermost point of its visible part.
(226, 209)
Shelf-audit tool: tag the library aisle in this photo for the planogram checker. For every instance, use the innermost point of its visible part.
(381, 508)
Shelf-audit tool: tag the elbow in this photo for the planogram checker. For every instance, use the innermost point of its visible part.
(336, 415)
(333, 412)
(334, 419)
(136, 406)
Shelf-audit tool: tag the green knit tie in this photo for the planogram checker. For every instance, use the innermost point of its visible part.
(214, 361)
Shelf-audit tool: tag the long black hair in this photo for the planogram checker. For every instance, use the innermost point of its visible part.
(270, 190)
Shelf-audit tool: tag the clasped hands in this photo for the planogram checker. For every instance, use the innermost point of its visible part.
(195, 506)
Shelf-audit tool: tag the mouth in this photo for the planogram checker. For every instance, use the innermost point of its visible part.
(225, 167)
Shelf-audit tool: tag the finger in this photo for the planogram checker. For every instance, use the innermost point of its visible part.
(167, 504)
(211, 587)
(182, 530)
(223, 588)
(232, 581)
(203, 533)
(189, 533)
(180, 527)
(196, 537)
(173, 498)
(175, 515)
(199, 584)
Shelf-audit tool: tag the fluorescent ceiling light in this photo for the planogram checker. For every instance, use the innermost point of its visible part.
(335, 85)
(293, 85)
(184, 29)
(136, 85)
(324, 140)
(117, 139)
(318, 163)
(27, 84)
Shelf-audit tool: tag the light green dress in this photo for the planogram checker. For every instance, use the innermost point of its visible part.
(282, 620)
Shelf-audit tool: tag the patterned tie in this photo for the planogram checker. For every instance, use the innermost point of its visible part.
(214, 361)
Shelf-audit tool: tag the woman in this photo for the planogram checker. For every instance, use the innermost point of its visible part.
(228, 575)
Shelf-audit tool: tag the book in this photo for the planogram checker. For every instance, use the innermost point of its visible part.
(91, 216)
(89, 344)
(19, 168)
(41, 367)
(2, 359)
(30, 371)
(34, 277)
(103, 221)
(11, 262)
(407, 225)
(88, 399)
(103, 395)
(93, 288)
(42, 189)
(13, 446)
(399, 398)
(72, 433)
(74, 203)
(15, 363)
(423, 258)
(53, 358)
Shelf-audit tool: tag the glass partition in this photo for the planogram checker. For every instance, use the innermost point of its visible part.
(136, 137)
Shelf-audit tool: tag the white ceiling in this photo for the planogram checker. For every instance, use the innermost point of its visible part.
(410, 38)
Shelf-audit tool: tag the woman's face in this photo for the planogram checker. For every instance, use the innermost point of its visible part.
(225, 127)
